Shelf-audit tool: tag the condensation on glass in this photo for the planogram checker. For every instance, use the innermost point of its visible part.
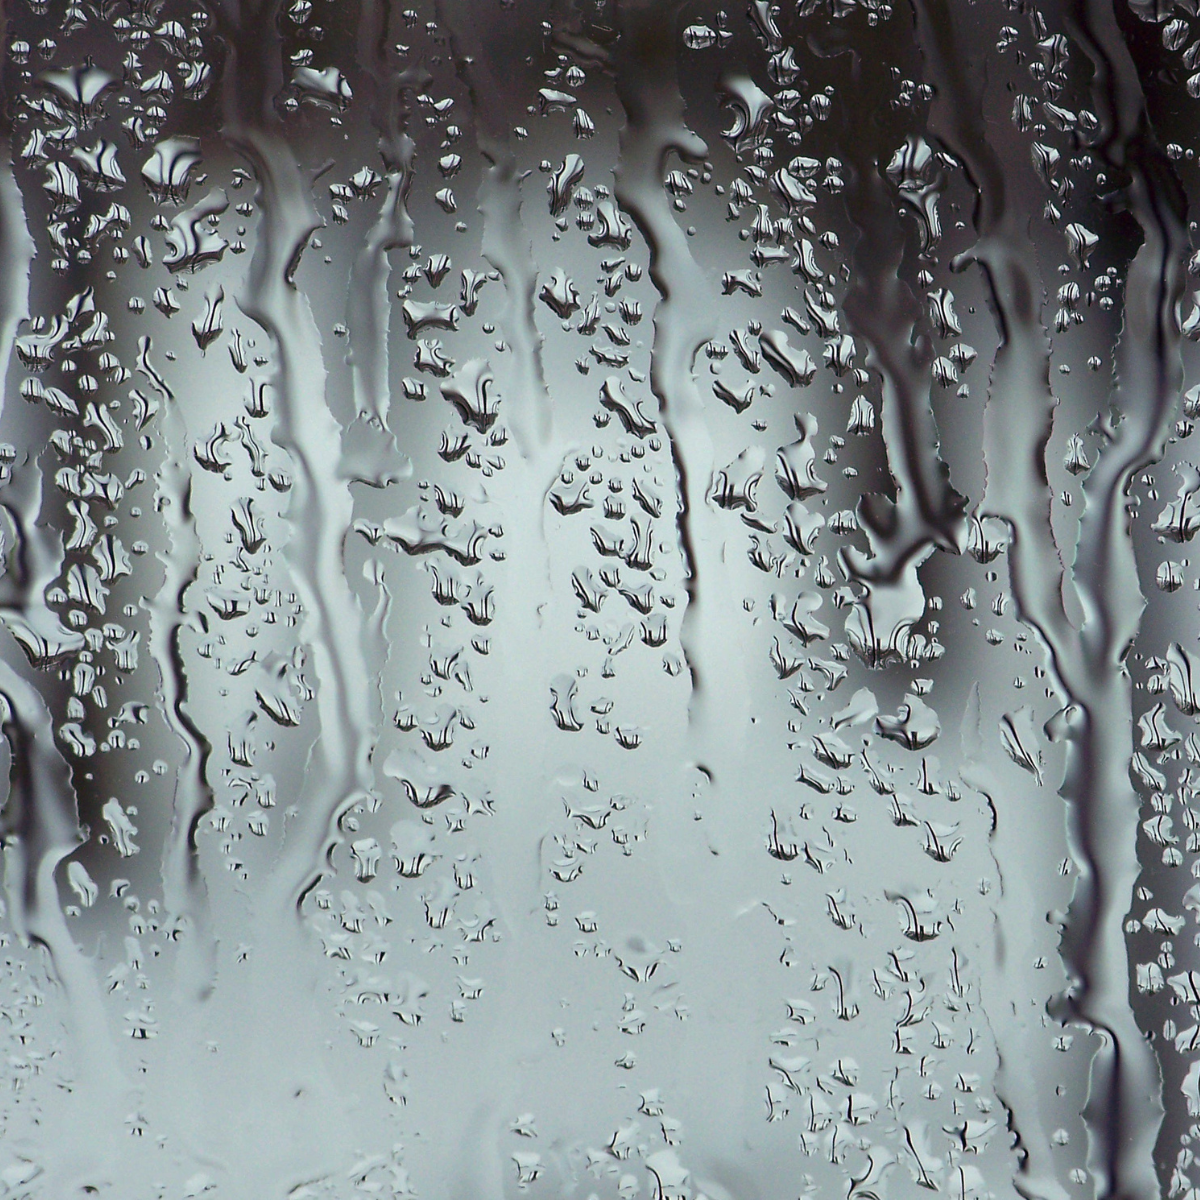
(598, 599)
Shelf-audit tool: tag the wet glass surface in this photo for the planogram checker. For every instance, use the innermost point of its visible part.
(597, 599)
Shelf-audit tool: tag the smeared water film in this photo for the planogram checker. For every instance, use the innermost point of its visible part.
(598, 601)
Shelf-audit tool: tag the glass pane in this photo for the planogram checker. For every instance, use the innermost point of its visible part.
(597, 599)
